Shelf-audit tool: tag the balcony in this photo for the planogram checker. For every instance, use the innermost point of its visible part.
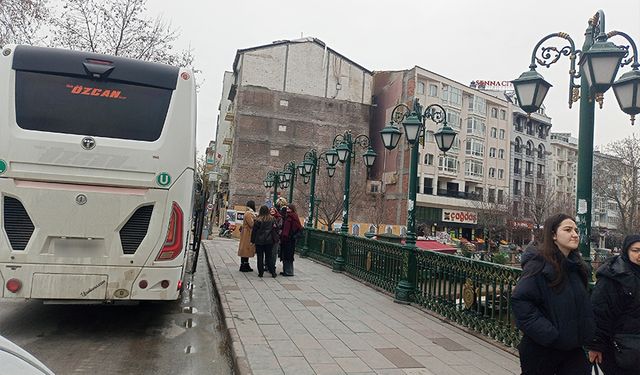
(540, 175)
(517, 171)
(227, 141)
(459, 194)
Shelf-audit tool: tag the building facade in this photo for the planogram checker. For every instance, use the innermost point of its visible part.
(290, 97)
(453, 188)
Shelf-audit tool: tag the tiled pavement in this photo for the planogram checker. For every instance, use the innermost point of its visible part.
(321, 322)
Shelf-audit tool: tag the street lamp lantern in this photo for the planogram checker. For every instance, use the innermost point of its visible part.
(531, 89)
(268, 183)
(331, 170)
(390, 136)
(627, 91)
(308, 166)
(369, 157)
(300, 169)
(343, 152)
(600, 64)
(412, 126)
(306, 178)
(332, 156)
(445, 138)
(284, 184)
(287, 174)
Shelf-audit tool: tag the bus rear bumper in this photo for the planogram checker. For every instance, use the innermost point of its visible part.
(89, 283)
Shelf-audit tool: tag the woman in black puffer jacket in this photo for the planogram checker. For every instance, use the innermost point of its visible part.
(616, 305)
(551, 304)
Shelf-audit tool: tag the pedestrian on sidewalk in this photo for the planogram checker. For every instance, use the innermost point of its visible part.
(246, 249)
(275, 250)
(264, 231)
(551, 304)
(290, 230)
(616, 305)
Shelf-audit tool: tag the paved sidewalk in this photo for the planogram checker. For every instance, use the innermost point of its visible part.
(321, 322)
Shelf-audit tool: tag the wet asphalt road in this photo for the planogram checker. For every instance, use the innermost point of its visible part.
(181, 337)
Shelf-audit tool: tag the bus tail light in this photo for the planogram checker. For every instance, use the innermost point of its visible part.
(173, 243)
(14, 285)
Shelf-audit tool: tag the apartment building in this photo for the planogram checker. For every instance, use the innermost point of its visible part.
(451, 185)
(564, 168)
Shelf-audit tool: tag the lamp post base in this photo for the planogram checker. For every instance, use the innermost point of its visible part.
(338, 264)
(404, 292)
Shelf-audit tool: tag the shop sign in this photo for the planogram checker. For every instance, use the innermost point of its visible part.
(516, 224)
(464, 217)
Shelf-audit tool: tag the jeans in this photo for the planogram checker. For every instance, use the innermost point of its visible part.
(265, 251)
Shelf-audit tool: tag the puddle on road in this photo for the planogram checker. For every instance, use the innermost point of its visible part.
(189, 350)
(189, 310)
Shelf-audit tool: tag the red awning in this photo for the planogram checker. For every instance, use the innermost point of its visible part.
(435, 246)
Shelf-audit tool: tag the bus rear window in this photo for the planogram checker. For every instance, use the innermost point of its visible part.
(75, 105)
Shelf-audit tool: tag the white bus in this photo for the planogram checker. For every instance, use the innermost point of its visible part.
(97, 159)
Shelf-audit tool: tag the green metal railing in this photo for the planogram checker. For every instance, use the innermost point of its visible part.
(376, 262)
(473, 293)
(470, 292)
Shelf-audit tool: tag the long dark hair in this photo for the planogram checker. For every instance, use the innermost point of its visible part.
(552, 254)
(264, 214)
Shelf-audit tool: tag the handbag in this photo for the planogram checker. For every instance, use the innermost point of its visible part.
(627, 350)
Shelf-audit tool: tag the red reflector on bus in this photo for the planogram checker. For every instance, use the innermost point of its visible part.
(143, 284)
(173, 242)
(14, 285)
(179, 284)
(164, 284)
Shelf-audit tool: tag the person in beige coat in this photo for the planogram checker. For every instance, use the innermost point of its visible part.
(246, 249)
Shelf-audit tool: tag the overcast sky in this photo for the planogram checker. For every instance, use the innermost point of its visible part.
(464, 40)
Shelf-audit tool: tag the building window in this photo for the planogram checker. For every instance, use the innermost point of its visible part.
(452, 96)
(527, 189)
(433, 90)
(494, 132)
(500, 197)
(428, 159)
(492, 195)
(519, 124)
(476, 126)
(503, 114)
(516, 187)
(474, 148)
(421, 88)
(494, 112)
(478, 105)
(453, 119)
(501, 134)
(501, 153)
(492, 152)
(427, 186)
(500, 174)
(473, 168)
(492, 172)
(448, 164)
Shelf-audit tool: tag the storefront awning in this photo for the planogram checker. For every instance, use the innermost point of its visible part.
(435, 246)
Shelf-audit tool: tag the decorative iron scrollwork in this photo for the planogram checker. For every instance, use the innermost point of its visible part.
(469, 294)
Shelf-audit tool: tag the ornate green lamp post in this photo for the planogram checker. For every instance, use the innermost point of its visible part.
(308, 169)
(289, 173)
(413, 120)
(598, 66)
(343, 151)
(274, 180)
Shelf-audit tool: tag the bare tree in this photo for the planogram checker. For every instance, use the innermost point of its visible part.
(21, 21)
(546, 203)
(615, 178)
(376, 211)
(493, 215)
(119, 28)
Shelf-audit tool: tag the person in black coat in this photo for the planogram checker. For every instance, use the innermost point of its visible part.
(263, 235)
(551, 304)
(616, 305)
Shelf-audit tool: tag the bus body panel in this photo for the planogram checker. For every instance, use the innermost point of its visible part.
(86, 209)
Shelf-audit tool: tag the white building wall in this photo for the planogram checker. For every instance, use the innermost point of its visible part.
(225, 117)
(305, 67)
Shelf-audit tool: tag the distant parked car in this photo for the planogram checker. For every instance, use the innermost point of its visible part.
(15, 360)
